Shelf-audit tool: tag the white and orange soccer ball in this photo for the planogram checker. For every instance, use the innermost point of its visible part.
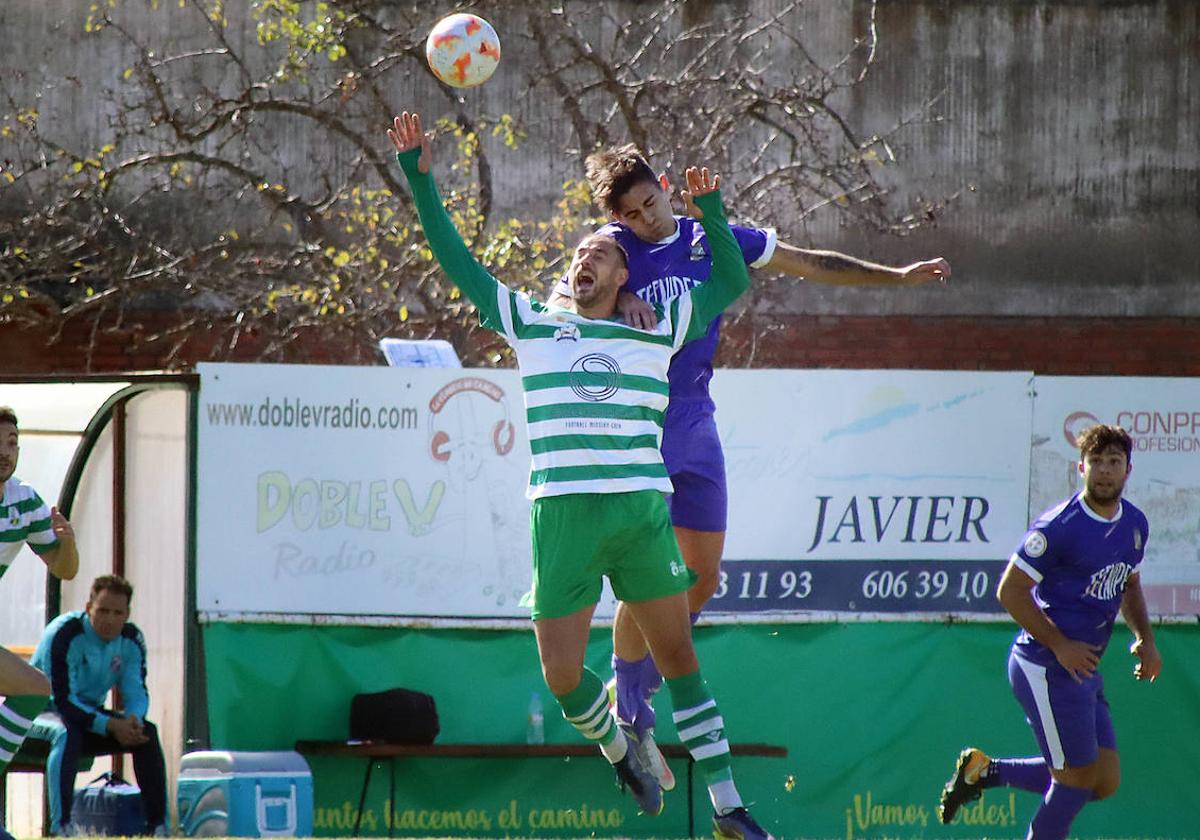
(463, 50)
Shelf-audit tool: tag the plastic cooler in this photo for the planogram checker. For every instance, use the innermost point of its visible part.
(245, 794)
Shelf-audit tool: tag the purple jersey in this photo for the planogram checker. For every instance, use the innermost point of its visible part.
(1080, 562)
(663, 270)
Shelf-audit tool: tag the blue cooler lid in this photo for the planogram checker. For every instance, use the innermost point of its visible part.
(228, 763)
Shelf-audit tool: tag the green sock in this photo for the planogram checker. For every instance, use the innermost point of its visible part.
(16, 716)
(702, 731)
(587, 709)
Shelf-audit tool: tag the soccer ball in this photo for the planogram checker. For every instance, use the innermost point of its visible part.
(463, 50)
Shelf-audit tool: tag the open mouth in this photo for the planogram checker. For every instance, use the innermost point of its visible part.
(584, 282)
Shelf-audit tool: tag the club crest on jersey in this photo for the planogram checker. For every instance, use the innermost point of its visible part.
(697, 251)
(595, 377)
(14, 517)
(1035, 544)
(567, 332)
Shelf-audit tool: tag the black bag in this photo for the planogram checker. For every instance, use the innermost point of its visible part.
(396, 716)
(108, 806)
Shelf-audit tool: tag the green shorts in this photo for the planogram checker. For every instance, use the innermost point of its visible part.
(580, 537)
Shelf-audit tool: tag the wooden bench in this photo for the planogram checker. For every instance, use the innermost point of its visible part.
(374, 751)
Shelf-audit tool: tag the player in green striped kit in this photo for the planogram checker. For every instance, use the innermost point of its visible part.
(595, 395)
(25, 518)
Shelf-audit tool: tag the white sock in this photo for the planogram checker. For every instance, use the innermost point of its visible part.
(615, 749)
(724, 796)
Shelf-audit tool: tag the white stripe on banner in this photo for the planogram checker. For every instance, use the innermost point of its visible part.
(701, 728)
(1036, 676)
(684, 714)
(709, 750)
(15, 719)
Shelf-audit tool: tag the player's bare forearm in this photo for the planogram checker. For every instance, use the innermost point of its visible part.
(1133, 608)
(63, 560)
(834, 268)
(1015, 594)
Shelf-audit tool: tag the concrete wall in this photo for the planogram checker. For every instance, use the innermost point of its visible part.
(1066, 131)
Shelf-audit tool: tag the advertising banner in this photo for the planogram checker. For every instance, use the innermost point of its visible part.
(871, 491)
(1163, 417)
(362, 491)
(400, 492)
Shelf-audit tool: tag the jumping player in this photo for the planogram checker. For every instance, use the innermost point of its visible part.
(668, 255)
(1076, 568)
(595, 393)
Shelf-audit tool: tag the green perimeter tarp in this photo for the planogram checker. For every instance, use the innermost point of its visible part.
(873, 716)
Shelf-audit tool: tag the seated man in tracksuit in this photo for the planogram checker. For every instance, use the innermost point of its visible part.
(86, 654)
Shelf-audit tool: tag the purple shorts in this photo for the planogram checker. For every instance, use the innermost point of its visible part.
(692, 452)
(1070, 720)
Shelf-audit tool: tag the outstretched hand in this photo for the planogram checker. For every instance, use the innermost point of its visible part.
(925, 271)
(406, 133)
(699, 182)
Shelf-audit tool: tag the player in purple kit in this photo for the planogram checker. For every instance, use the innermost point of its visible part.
(1077, 567)
(668, 254)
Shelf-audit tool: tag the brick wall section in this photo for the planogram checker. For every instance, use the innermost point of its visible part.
(1082, 346)
(1061, 346)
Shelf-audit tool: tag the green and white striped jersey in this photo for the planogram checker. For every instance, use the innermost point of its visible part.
(24, 518)
(595, 390)
(595, 395)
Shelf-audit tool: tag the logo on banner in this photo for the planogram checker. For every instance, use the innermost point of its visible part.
(1152, 429)
(442, 444)
(595, 377)
(1076, 423)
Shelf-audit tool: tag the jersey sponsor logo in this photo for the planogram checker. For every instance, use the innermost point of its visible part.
(678, 569)
(1035, 544)
(595, 377)
(567, 332)
(666, 288)
(1109, 582)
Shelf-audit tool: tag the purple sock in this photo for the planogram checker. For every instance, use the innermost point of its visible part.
(632, 707)
(1053, 820)
(694, 617)
(1029, 774)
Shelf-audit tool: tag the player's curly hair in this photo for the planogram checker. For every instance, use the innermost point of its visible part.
(1095, 439)
(614, 171)
(7, 415)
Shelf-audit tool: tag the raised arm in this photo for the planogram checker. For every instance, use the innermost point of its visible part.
(413, 153)
(842, 270)
(729, 278)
